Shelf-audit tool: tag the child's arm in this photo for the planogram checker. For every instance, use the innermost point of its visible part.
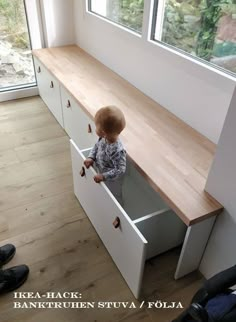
(92, 156)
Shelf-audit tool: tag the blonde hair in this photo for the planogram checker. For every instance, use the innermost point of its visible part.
(111, 120)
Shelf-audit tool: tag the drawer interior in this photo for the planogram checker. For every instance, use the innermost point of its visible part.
(139, 199)
(163, 230)
(158, 224)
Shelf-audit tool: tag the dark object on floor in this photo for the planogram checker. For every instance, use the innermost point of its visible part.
(214, 302)
(6, 253)
(12, 278)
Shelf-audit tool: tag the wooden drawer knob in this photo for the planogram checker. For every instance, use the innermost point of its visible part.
(68, 104)
(89, 128)
(116, 222)
(82, 172)
(39, 70)
(51, 85)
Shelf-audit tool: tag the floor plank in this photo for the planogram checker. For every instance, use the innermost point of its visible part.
(23, 108)
(38, 213)
(22, 194)
(26, 123)
(7, 158)
(41, 149)
(36, 135)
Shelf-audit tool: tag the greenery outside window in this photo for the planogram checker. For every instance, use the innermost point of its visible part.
(205, 29)
(128, 13)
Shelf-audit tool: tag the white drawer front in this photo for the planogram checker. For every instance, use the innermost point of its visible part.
(49, 90)
(125, 244)
(78, 125)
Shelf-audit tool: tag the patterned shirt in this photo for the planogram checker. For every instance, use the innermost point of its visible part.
(110, 158)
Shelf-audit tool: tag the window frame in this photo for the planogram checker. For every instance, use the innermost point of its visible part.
(29, 89)
(186, 55)
(23, 86)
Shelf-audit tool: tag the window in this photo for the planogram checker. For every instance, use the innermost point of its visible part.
(203, 28)
(128, 13)
(16, 64)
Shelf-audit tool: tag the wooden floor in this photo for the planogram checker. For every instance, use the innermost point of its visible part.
(40, 215)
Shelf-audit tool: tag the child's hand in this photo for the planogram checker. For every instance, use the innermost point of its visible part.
(88, 162)
(98, 178)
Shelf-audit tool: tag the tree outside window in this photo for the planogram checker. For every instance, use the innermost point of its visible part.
(202, 28)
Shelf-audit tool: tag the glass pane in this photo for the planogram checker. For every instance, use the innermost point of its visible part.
(16, 64)
(202, 28)
(128, 13)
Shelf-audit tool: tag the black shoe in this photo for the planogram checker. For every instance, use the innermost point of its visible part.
(12, 278)
(6, 253)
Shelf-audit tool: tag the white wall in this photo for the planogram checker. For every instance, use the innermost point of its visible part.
(221, 184)
(58, 22)
(197, 95)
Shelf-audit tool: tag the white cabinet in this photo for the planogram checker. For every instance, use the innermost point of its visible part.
(78, 125)
(143, 228)
(49, 90)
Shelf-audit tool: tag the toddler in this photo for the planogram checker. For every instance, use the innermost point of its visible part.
(108, 153)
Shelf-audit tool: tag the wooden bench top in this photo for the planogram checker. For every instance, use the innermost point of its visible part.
(173, 157)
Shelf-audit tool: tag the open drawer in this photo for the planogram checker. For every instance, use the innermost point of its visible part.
(147, 226)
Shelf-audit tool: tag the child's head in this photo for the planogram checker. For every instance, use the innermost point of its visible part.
(110, 122)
